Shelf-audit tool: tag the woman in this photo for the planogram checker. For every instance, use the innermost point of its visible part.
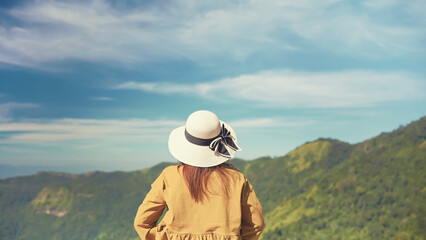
(206, 198)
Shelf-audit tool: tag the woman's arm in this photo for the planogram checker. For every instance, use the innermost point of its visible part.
(252, 213)
(150, 210)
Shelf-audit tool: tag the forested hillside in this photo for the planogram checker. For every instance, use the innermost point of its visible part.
(324, 189)
(377, 191)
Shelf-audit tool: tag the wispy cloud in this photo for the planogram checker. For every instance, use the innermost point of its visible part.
(100, 133)
(103, 98)
(7, 108)
(165, 87)
(379, 4)
(96, 31)
(41, 131)
(290, 89)
(269, 123)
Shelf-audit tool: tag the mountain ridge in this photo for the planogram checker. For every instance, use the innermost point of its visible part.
(401, 126)
(323, 189)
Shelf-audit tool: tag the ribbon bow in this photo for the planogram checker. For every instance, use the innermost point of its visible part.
(223, 143)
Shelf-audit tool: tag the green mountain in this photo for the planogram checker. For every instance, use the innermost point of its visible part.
(324, 189)
(375, 189)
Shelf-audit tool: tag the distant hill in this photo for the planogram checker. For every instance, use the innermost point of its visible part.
(324, 189)
(7, 171)
(12, 171)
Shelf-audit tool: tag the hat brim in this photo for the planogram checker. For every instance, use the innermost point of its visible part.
(195, 155)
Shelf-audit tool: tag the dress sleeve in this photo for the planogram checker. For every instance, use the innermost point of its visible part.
(150, 210)
(252, 222)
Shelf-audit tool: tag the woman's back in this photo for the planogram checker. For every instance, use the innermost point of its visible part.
(207, 199)
(219, 216)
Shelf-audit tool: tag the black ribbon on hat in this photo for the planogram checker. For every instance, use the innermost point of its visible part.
(220, 144)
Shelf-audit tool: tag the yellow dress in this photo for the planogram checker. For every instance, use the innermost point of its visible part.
(239, 216)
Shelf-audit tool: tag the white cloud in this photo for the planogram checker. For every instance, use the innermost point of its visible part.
(96, 31)
(290, 89)
(103, 99)
(166, 88)
(7, 108)
(378, 4)
(90, 133)
(55, 131)
(269, 123)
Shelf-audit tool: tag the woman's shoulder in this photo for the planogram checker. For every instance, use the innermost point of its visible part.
(173, 171)
(170, 170)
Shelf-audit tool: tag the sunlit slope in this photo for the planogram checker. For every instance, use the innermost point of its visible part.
(378, 192)
(285, 177)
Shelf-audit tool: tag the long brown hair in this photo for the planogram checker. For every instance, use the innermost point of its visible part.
(197, 178)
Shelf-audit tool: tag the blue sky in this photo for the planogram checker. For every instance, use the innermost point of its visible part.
(100, 84)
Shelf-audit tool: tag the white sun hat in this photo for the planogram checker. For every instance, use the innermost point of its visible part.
(204, 141)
